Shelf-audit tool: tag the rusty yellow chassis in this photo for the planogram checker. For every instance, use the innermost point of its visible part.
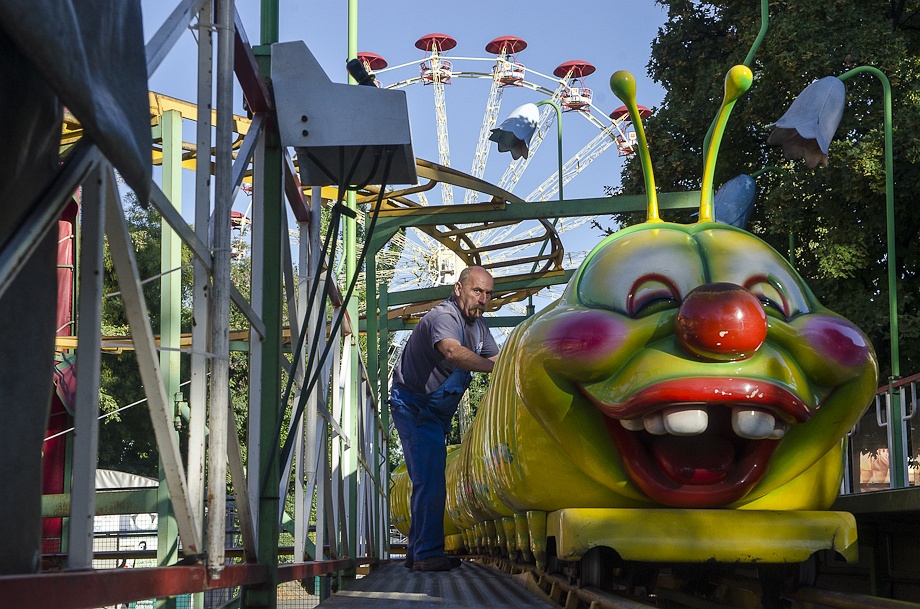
(667, 535)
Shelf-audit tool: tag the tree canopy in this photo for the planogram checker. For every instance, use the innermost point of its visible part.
(836, 216)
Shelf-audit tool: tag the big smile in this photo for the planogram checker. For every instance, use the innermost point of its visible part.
(700, 442)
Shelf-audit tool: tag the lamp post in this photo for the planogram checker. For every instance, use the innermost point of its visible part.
(516, 131)
(889, 207)
(896, 430)
(558, 110)
(514, 135)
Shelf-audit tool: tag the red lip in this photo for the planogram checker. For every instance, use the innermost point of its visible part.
(714, 468)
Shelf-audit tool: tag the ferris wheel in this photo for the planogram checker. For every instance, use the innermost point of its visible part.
(503, 70)
(417, 259)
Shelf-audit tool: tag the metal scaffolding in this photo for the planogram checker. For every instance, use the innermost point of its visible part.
(339, 524)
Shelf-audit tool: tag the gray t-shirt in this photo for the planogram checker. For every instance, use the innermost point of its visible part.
(422, 368)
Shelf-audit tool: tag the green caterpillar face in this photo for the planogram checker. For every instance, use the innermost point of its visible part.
(715, 375)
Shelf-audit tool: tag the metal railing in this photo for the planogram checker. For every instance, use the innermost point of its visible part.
(884, 446)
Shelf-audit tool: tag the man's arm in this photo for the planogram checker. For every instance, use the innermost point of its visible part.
(461, 357)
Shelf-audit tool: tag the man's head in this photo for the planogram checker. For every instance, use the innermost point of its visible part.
(473, 291)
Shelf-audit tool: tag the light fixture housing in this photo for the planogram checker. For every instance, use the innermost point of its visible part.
(338, 129)
(516, 131)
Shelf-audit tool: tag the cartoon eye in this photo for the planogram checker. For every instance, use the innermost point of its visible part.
(771, 296)
(652, 295)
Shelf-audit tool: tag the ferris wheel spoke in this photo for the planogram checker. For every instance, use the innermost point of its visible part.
(437, 71)
(483, 144)
(575, 165)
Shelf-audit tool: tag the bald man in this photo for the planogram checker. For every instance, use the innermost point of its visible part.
(450, 342)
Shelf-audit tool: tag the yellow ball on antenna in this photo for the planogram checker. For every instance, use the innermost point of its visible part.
(623, 85)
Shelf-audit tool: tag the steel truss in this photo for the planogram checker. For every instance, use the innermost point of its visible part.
(337, 422)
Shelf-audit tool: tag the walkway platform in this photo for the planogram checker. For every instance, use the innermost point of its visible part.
(469, 586)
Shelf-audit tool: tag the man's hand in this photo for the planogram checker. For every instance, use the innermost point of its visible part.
(464, 358)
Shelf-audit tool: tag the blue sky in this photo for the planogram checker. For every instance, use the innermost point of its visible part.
(612, 35)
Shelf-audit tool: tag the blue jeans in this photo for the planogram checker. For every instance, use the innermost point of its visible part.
(423, 422)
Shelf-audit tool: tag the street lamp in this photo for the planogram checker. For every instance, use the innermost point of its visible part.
(796, 132)
(895, 422)
(516, 131)
(514, 135)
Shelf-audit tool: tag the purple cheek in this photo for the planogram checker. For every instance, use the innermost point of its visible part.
(838, 340)
(586, 336)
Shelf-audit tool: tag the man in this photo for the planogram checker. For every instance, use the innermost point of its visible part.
(449, 343)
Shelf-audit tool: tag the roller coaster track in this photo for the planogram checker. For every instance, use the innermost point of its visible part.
(739, 590)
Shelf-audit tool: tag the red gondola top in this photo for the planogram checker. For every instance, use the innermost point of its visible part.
(442, 41)
(509, 44)
(579, 69)
(622, 111)
(373, 60)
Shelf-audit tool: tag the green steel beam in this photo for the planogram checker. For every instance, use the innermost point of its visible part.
(501, 284)
(390, 222)
(170, 324)
(141, 501)
(350, 415)
(270, 178)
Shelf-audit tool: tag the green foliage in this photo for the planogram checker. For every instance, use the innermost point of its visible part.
(126, 439)
(836, 215)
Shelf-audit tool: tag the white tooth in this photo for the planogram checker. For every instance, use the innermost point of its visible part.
(752, 424)
(632, 424)
(654, 424)
(686, 421)
(779, 430)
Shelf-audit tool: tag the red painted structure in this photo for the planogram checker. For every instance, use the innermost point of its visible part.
(577, 68)
(435, 71)
(506, 45)
(54, 451)
(372, 61)
(509, 71)
(623, 111)
(432, 42)
(78, 589)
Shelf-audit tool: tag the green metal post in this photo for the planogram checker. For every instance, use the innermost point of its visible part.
(898, 444)
(171, 253)
(170, 132)
(350, 464)
(373, 363)
(269, 22)
(384, 408)
(268, 177)
(558, 110)
(530, 306)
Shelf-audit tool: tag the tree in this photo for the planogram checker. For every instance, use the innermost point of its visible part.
(126, 438)
(836, 215)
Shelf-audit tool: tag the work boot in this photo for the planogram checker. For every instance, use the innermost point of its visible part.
(433, 563)
(408, 562)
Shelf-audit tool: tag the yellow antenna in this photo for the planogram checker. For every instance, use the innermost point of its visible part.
(737, 82)
(623, 86)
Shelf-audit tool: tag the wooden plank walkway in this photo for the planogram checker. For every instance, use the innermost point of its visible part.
(469, 586)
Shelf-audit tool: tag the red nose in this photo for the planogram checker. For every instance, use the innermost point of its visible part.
(721, 322)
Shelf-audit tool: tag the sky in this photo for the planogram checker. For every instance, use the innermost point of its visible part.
(611, 35)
